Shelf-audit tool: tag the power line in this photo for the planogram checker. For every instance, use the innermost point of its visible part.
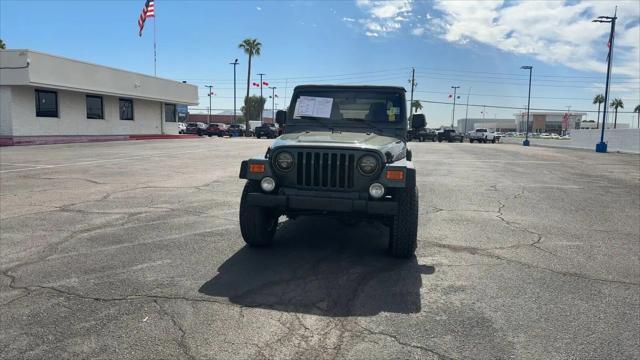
(518, 108)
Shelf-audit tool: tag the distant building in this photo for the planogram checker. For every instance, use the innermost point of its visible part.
(550, 122)
(221, 118)
(45, 96)
(502, 125)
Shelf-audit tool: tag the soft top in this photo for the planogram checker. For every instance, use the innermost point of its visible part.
(349, 87)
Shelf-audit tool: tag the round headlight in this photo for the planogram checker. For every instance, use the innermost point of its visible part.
(367, 165)
(284, 161)
(376, 190)
(267, 184)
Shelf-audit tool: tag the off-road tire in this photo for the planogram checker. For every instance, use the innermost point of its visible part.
(470, 141)
(403, 234)
(493, 141)
(433, 140)
(257, 224)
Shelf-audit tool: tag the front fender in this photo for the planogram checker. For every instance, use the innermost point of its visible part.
(245, 172)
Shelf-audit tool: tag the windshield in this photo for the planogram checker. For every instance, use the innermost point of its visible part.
(344, 109)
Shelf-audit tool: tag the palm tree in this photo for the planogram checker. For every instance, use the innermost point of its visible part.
(252, 48)
(2, 44)
(637, 110)
(616, 104)
(599, 99)
(416, 105)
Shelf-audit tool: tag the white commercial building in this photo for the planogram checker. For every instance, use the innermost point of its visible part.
(502, 125)
(552, 122)
(43, 95)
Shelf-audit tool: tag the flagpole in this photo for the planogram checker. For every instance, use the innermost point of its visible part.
(154, 44)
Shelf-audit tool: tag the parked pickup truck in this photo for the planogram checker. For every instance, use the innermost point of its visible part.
(482, 136)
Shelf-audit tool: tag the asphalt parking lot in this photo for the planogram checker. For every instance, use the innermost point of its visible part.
(132, 250)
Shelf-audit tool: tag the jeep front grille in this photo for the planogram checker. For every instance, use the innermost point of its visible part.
(325, 169)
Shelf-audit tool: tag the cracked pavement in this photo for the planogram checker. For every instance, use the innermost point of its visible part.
(132, 250)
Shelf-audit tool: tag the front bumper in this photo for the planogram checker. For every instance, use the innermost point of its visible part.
(322, 204)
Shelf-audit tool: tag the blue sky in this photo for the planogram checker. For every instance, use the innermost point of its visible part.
(477, 45)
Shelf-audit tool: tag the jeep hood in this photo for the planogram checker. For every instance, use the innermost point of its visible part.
(368, 141)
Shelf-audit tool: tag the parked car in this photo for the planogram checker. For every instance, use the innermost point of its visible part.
(216, 129)
(423, 134)
(449, 135)
(182, 127)
(236, 130)
(195, 128)
(268, 131)
(482, 135)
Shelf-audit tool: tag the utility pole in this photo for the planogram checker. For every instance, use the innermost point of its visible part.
(413, 86)
(210, 93)
(466, 113)
(235, 63)
(453, 112)
(602, 146)
(526, 130)
(273, 102)
(260, 103)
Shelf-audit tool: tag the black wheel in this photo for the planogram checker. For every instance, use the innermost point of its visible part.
(433, 140)
(493, 141)
(199, 132)
(257, 224)
(420, 139)
(403, 234)
(461, 140)
(484, 141)
(470, 141)
(439, 140)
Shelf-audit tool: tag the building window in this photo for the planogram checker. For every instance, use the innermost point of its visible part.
(94, 107)
(170, 112)
(46, 103)
(126, 109)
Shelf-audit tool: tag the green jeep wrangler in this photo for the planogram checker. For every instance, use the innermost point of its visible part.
(342, 154)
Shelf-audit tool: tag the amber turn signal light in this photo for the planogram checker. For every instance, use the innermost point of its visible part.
(395, 175)
(256, 168)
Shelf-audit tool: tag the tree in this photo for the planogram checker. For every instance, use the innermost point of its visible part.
(254, 105)
(416, 105)
(252, 48)
(637, 110)
(599, 99)
(616, 104)
(2, 44)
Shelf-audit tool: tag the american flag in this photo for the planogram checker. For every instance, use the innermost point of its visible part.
(147, 11)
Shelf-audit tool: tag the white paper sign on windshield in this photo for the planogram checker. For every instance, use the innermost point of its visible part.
(313, 106)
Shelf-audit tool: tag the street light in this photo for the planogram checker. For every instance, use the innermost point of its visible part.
(209, 94)
(273, 102)
(466, 113)
(453, 112)
(260, 103)
(235, 63)
(526, 130)
(602, 146)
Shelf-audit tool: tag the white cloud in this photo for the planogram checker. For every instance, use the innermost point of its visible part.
(418, 31)
(383, 17)
(348, 19)
(258, 8)
(554, 32)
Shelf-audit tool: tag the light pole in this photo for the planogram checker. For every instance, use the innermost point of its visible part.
(526, 130)
(453, 112)
(466, 113)
(273, 102)
(260, 103)
(209, 94)
(602, 146)
(235, 63)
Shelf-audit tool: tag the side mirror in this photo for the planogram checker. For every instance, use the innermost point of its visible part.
(418, 121)
(281, 117)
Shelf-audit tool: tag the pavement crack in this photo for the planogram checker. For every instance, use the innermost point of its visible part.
(182, 341)
(397, 340)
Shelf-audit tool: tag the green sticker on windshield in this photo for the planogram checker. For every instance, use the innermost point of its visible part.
(392, 112)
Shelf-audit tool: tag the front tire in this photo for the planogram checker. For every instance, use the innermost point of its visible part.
(257, 224)
(403, 234)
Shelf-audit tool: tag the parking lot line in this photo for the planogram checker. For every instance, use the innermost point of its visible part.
(83, 163)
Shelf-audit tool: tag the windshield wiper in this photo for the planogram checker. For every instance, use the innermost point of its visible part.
(368, 123)
(317, 120)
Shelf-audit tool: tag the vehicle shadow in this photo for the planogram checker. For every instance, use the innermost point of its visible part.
(322, 267)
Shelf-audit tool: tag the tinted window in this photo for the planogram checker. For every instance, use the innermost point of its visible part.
(481, 130)
(126, 109)
(46, 103)
(170, 112)
(94, 107)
